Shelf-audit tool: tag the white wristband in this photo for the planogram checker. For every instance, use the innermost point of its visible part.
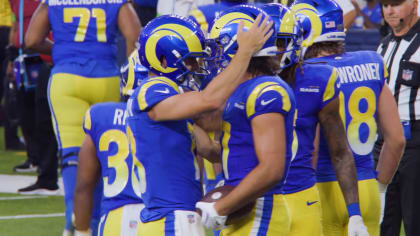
(382, 187)
(83, 233)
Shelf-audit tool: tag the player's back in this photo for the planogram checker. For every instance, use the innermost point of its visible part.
(362, 75)
(85, 31)
(105, 123)
(260, 95)
(165, 149)
(314, 87)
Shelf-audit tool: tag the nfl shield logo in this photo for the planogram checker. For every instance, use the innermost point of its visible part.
(191, 219)
(132, 224)
(329, 24)
(407, 75)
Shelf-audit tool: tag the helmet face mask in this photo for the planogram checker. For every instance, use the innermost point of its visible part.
(191, 67)
(288, 36)
(288, 49)
(195, 72)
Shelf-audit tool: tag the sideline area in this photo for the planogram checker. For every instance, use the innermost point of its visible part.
(11, 183)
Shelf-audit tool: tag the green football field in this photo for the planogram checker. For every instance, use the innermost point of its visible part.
(27, 215)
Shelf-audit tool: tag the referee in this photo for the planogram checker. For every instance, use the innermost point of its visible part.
(401, 53)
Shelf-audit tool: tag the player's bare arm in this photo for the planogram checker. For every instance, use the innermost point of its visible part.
(39, 27)
(206, 147)
(394, 140)
(269, 140)
(190, 104)
(210, 121)
(129, 25)
(88, 173)
(341, 156)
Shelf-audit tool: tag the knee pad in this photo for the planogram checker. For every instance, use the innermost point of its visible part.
(68, 156)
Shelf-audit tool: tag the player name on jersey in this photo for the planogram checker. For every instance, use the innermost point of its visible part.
(81, 2)
(119, 117)
(358, 73)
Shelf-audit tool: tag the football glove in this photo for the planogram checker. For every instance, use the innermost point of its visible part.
(356, 226)
(209, 217)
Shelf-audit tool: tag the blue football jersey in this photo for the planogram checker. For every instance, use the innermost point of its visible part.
(165, 150)
(260, 95)
(85, 32)
(105, 124)
(315, 86)
(362, 75)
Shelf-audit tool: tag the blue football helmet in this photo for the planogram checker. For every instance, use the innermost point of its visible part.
(132, 73)
(176, 39)
(226, 25)
(321, 20)
(288, 32)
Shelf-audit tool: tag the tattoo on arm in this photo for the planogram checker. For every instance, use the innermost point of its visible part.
(341, 156)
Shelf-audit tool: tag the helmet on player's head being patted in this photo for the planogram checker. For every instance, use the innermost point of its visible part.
(172, 46)
(321, 20)
(132, 72)
(288, 33)
(225, 28)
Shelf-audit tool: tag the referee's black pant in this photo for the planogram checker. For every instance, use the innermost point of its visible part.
(44, 132)
(402, 200)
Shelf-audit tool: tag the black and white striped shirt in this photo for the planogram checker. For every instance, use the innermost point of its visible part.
(402, 57)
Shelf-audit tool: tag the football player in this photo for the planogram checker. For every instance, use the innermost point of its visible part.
(310, 82)
(365, 103)
(256, 138)
(84, 72)
(316, 83)
(204, 16)
(105, 156)
(171, 47)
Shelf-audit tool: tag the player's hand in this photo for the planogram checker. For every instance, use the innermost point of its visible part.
(254, 38)
(209, 216)
(357, 227)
